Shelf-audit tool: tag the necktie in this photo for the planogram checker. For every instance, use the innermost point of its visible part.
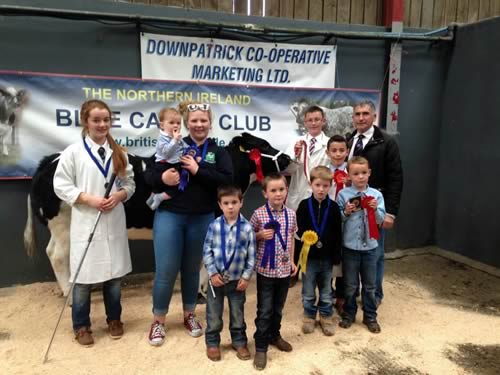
(312, 142)
(358, 147)
(102, 153)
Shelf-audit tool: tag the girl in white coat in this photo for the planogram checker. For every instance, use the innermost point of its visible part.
(80, 180)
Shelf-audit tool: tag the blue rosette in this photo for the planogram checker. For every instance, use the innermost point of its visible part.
(270, 245)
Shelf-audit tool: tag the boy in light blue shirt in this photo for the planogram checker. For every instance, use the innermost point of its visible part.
(363, 210)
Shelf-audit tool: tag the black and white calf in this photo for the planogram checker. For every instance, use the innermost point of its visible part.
(51, 211)
(11, 101)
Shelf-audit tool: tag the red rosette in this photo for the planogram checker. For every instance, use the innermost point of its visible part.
(372, 221)
(339, 177)
(255, 156)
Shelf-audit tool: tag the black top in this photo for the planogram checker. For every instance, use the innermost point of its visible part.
(332, 236)
(382, 153)
(200, 195)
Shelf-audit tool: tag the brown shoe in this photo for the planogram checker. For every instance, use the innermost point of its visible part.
(213, 353)
(115, 329)
(327, 325)
(282, 345)
(242, 352)
(308, 325)
(260, 360)
(372, 325)
(84, 336)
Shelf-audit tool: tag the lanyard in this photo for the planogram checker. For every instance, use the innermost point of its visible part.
(227, 263)
(202, 153)
(104, 170)
(278, 232)
(320, 230)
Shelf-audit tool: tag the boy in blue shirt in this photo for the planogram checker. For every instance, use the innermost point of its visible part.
(362, 209)
(229, 256)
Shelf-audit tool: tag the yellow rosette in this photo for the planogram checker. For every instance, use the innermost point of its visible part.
(309, 238)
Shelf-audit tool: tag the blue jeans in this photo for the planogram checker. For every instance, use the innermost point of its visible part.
(356, 263)
(80, 311)
(379, 292)
(319, 273)
(215, 308)
(178, 244)
(271, 297)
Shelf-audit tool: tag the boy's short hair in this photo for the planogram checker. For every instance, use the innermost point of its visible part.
(336, 138)
(229, 190)
(167, 110)
(314, 108)
(321, 172)
(357, 160)
(273, 177)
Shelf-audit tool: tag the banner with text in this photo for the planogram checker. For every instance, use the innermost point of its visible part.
(39, 113)
(177, 58)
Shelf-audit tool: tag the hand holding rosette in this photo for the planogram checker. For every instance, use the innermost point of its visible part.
(309, 238)
(270, 245)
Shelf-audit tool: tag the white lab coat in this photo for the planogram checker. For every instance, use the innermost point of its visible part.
(299, 185)
(108, 256)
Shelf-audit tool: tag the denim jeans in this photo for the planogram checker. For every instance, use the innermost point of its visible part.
(178, 244)
(380, 252)
(271, 297)
(80, 311)
(358, 263)
(215, 309)
(319, 273)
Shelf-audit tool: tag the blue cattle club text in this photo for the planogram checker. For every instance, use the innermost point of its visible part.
(139, 120)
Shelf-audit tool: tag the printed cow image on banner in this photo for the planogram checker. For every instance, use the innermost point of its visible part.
(50, 118)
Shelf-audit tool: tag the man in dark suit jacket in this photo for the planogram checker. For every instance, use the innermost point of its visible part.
(382, 153)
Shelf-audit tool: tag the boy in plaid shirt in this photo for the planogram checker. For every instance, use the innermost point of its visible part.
(275, 225)
(229, 256)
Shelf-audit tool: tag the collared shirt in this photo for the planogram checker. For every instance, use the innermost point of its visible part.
(367, 135)
(282, 256)
(355, 232)
(244, 259)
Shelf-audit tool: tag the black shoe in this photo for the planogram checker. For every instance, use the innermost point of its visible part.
(346, 322)
(260, 360)
(282, 345)
(372, 325)
(293, 281)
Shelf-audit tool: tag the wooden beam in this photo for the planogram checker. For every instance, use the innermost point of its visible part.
(438, 14)
(286, 9)
(416, 13)
(495, 8)
(316, 10)
(407, 5)
(240, 6)
(225, 6)
(273, 8)
(256, 7)
(159, 2)
(301, 10)
(451, 11)
(357, 10)
(370, 12)
(193, 4)
(177, 3)
(473, 12)
(427, 11)
(484, 9)
(330, 11)
(462, 9)
(343, 11)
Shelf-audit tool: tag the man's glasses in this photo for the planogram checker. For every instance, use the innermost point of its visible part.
(195, 107)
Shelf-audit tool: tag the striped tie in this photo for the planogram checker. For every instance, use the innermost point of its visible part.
(312, 142)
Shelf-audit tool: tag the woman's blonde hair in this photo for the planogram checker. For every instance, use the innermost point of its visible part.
(184, 110)
(119, 158)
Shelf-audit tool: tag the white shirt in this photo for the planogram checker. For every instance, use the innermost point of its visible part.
(108, 256)
(367, 135)
(299, 185)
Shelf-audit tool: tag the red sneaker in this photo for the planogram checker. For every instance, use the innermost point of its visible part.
(193, 325)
